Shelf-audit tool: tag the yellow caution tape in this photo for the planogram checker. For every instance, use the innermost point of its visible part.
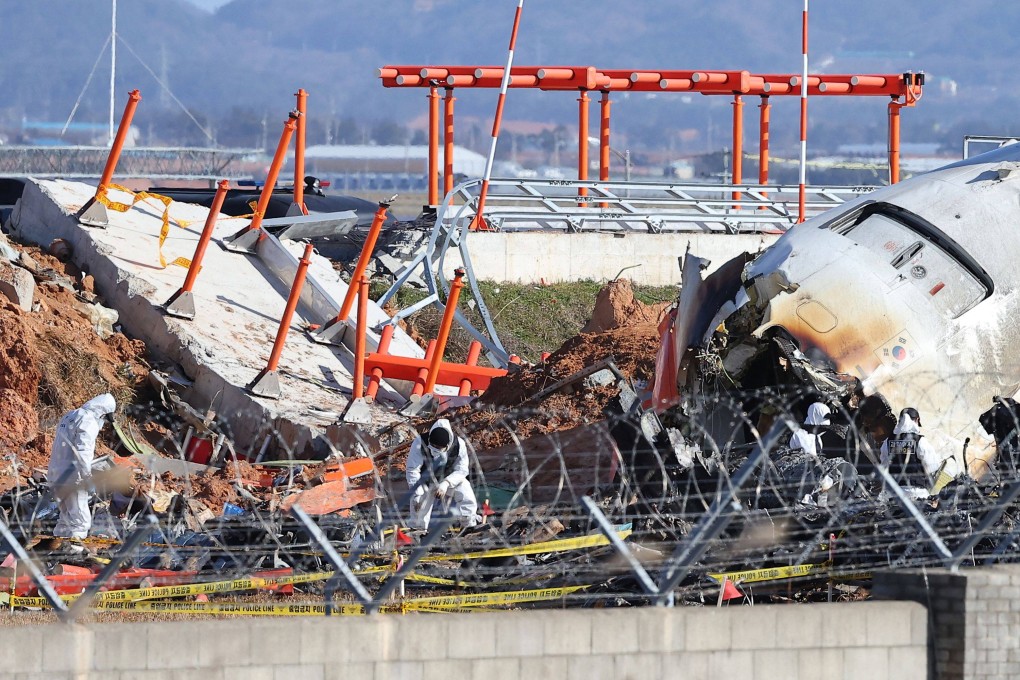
(783, 573)
(444, 603)
(559, 545)
(184, 590)
(772, 573)
(490, 599)
(183, 262)
(138, 198)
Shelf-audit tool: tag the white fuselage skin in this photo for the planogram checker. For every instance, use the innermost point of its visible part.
(869, 302)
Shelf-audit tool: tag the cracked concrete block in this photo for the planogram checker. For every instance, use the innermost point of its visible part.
(17, 285)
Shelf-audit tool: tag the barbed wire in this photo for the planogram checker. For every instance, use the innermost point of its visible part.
(704, 501)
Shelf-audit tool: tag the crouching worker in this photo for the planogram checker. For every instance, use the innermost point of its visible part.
(70, 469)
(912, 460)
(439, 461)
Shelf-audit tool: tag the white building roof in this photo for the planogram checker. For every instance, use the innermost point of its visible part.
(465, 161)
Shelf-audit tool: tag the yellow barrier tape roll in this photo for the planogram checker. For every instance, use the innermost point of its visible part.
(559, 545)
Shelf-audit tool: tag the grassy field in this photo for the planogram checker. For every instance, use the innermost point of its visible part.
(529, 318)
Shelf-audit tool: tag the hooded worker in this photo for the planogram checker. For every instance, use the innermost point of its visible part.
(70, 469)
(808, 438)
(910, 458)
(437, 469)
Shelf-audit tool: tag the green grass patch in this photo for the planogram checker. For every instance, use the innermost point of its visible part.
(529, 318)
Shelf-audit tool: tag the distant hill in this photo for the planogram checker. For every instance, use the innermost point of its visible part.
(247, 58)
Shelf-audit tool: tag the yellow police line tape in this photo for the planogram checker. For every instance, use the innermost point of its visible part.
(784, 573)
(138, 198)
(423, 604)
(559, 545)
(256, 583)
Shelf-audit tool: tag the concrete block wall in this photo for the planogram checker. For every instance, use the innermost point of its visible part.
(974, 618)
(871, 641)
(531, 257)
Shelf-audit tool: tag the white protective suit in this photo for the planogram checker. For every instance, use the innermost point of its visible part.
(805, 439)
(445, 478)
(70, 469)
(930, 460)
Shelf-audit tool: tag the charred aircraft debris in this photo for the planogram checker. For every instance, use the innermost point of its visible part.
(904, 298)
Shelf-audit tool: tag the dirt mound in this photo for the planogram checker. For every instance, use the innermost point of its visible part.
(18, 370)
(616, 307)
(632, 349)
(621, 328)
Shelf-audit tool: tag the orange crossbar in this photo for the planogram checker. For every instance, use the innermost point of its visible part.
(407, 368)
(591, 78)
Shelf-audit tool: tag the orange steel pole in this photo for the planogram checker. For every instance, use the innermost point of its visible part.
(448, 101)
(359, 269)
(423, 373)
(118, 143)
(384, 347)
(738, 144)
(763, 140)
(583, 108)
(288, 316)
(444, 330)
(274, 171)
(604, 148)
(181, 304)
(433, 170)
(359, 339)
(207, 231)
(299, 151)
(474, 351)
(894, 141)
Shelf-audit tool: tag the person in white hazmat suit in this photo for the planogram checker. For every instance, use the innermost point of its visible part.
(911, 459)
(808, 438)
(441, 458)
(70, 468)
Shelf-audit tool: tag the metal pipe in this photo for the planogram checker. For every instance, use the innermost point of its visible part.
(738, 144)
(448, 101)
(385, 338)
(362, 265)
(474, 351)
(604, 149)
(274, 171)
(763, 139)
(801, 191)
(299, 151)
(444, 330)
(288, 313)
(604, 130)
(423, 374)
(207, 231)
(118, 142)
(894, 141)
(433, 170)
(497, 119)
(359, 338)
(583, 108)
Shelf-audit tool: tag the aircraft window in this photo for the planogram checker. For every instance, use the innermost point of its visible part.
(920, 260)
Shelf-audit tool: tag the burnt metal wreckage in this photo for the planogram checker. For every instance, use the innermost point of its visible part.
(903, 298)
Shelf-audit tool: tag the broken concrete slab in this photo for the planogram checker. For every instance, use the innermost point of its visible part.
(17, 285)
(239, 300)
